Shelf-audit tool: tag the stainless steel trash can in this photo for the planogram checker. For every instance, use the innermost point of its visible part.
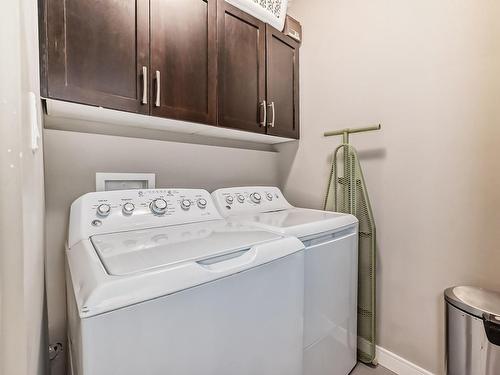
(472, 331)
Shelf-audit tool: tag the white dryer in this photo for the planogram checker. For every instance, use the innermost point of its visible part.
(331, 269)
(159, 283)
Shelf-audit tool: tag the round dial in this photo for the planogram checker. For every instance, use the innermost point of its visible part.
(269, 196)
(241, 198)
(186, 204)
(128, 208)
(229, 199)
(255, 197)
(104, 210)
(159, 206)
(202, 203)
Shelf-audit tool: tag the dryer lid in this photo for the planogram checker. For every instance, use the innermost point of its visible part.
(131, 252)
(300, 222)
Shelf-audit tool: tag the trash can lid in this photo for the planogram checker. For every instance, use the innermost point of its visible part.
(475, 301)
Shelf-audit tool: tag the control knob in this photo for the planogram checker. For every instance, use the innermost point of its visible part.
(185, 204)
(104, 210)
(255, 197)
(241, 198)
(229, 199)
(202, 203)
(159, 206)
(269, 196)
(128, 208)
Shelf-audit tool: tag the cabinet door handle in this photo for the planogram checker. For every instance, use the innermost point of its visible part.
(273, 121)
(158, 89)
(144, 85)
(264, 113)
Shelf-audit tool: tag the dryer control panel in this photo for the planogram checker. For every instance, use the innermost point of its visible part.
(124, 210)
(248, 200)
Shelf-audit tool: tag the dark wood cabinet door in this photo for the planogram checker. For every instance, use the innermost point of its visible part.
(184, 59)
(96, 52)
(282, 84)
(241, 58)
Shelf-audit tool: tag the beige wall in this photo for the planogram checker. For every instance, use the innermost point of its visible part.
(23, 346)
(430, 72)
(72, 159)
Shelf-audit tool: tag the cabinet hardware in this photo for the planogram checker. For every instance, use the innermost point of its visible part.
(144, 85)
(273, 121)
(264, 108)
(158, 89)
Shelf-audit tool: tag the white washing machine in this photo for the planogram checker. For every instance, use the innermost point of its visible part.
(159, 283)
(331, 270)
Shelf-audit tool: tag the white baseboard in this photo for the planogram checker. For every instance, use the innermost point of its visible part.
(398, 364)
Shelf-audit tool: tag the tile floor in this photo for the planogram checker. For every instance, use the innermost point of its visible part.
(365, 370)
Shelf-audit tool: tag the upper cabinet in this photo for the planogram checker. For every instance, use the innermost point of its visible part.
(184, 59)
(97, 52)
(201, 61)
(282, 84)
(242, 69)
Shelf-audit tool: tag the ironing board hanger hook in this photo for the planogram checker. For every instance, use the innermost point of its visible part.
(346, 132)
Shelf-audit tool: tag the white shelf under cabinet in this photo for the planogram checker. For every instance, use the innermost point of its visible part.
(58, 109)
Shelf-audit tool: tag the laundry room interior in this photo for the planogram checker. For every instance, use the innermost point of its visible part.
(369, 125)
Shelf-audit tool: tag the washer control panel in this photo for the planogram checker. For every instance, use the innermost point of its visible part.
(124, 210)
(250, 199)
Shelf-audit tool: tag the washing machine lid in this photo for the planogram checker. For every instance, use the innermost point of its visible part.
(131, 252)
(110, 272)
(299, 222)
(475, 301)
